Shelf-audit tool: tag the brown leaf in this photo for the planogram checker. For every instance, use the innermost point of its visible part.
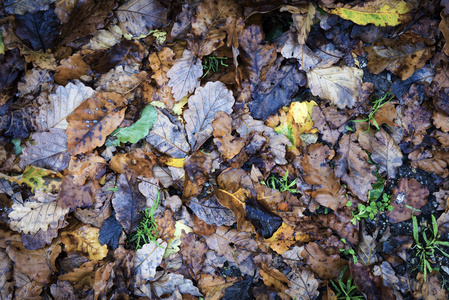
(402, 55)
(352, 167)
(183, 22)
(274, 278)
(85, 19)
(91, 166)
(70, 68)
(161, 63)
(41, 238)
(415, 118)
(82, 276)
(324, 265)
(136, 163)
(212, 212)
(303, 284)
(441, 120)
(385, 153)
(128, 202)
(62, 290)
(371, 286)
(292, 49)
(85, 241)
(203, 106)
(329, 122)
(198, 167)
(409, 193)
(327, 189)
(303, 16)
(93, 121)
(228, 145)
(104, 277)
(6, 267)
(431, 161)
(194, 252)
(73, 196)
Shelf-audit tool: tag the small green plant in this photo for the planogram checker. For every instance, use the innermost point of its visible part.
(281, 184)
(378, 201)
(348, 290)
(349, 251)
(147, 230)
(213, 63)
(376, 105)
(426, 247)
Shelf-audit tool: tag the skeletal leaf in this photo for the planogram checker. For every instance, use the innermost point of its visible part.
(203, 106)
(184, 75)
(93, 121)
(40, 212)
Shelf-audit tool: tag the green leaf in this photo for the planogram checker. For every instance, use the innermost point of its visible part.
(415, 230)
(138, 130)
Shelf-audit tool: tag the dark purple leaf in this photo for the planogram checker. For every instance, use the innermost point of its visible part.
(110, 232)
(39, 29)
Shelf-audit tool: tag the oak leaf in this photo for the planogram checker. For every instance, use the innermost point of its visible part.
(339, 85)
(85, 241)
(137, 17)
(184, 75)
(93, 121)
(203, 106)
(327, 189)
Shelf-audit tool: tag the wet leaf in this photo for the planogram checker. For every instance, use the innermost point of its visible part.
(70, 68)
(148, 258)
(386, 153)
(378, 12)
(326, 188)
(137, 17)
(138, 130)
(39, 29)
(93, 121)
(136, 163)
(212, 212)
(128, 202)
(37, 179)
(408, 195)
(183, 22)
(85, 241)
(168, 138)
(73, 195)
(306, 58)
(194, 253)
(110, 232)
(265, 221)
(63, 103)
(400, 87)
(402, 56)
(50, 151)
(184, 75)
(6, 267)
(339, 85)
(329, 122)
(228, 145)
(203, 106)
(369, 284)
(324, 265)
(273, 278)
(352, 167)
(431, 161)
(26, 6)
(303, 285)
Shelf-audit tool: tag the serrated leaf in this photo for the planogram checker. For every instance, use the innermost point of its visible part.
(50, 151)
(203, 105)
(138, 130)
(137, 17)
(184, 75)
(168, 138)
(377, 12)
(340, 85)
(93, 121)
(39, 29)
(63, 103)
(40, 212)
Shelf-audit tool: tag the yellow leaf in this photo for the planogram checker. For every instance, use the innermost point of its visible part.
(175, 162)
(377, 12)
(175, 242)
(302, 115)
(37, 179)
(85, 241)
(284, 237)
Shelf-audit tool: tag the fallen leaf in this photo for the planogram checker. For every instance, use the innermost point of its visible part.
(74, 196)
(93, 120)
(369, 284)
(50, 151)
(183, 22)
(40, 212)
(385, 153)
(137, 17)
(339, 85)
(400, 87)
(110, 232)
(378, 12)
(353, 168)
(327, 189)
(228, 145)
(184, 75)
(63, 103)
(431, 161)
(171, 281)
(82, 276)
(128, 202)
(35, 79)
(148, 258)
(265, 221)
(402, 56)
(428, 287)
(62, 290)
(194, 252)
(306, 58)
(138, 130)
(104, 278)
(39, 29)
(303, 16)
(409, 194)
(6, 268)
(303, 284)
(136, 163)
(168, 138)
(329, 122)
(26, 6)
(85, 241)
(212, 212)
(70, 68)
(105, 38)
(42, 238)
(203, 106)
(324, 265)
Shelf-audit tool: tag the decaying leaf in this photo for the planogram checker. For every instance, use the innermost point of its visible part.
(37, 179)
(93, 121)
(339, 85)
(303, 285)
(184, 75)
(137, 163)
(203, 106)
(85, 241)
(39, 29)
(324, 265)
(194, 252)
(212, 212)
(137, 17)
(386, 153)
(148, 258)
(227, 144)
(408, 195)
(171, 282)
(70, 68)
(327, 189)
(6, 267)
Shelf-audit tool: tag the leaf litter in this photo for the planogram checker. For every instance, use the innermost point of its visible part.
(267, 178)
